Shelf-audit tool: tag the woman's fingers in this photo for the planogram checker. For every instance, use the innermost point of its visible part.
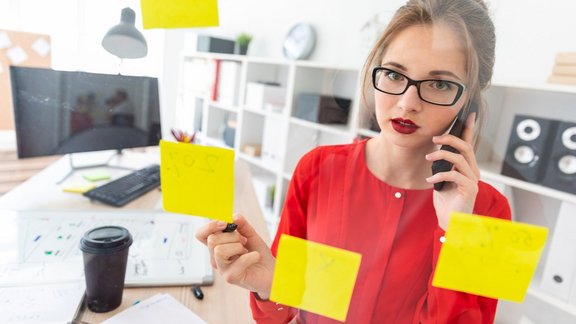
(208, 229)
(237, 270)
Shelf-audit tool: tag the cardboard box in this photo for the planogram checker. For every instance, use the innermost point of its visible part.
(269, 96)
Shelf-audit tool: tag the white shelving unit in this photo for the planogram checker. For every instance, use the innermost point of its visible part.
(292, 137)
(531, 203)
(286, 136)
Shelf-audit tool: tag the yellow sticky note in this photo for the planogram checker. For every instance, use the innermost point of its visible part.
(79, 188)
(179, 13)
(197, 180)
(489, 257)
(314, 277)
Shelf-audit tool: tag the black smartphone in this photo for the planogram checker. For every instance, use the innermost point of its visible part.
(456, 130)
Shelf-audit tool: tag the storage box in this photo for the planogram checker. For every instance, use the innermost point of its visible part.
(214, 44)
(323, 109)
(268, 96)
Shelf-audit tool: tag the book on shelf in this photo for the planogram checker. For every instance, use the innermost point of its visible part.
(562, 79)
(215, 79)
(228, 82)
(566, 58)
(559, 275)
(564, 69)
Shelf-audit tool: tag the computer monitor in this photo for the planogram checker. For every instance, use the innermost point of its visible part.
(59, 112)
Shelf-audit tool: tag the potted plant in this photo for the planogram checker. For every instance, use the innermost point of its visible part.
(242, 41)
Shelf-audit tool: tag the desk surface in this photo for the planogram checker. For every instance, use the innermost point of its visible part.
(222, 303)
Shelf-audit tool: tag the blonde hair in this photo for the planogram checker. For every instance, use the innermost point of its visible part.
(469, 19)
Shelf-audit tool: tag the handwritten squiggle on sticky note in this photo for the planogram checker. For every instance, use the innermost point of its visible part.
(179, 13)
(314, 277)
(197, 180)
(489, 257)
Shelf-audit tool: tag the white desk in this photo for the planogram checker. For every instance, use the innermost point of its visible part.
(222, 303)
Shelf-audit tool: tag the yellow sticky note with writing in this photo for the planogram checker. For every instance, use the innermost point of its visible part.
(489, 257)
(179, 13)
(197, 180)
(314, 277)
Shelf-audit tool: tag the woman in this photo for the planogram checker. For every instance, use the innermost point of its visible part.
(376, 196)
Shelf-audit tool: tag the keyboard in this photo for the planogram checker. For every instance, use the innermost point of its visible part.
(123, 190)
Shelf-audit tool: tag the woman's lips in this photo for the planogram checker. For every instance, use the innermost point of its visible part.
(403, 126)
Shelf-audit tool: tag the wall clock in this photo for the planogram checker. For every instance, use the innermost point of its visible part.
(299, 42)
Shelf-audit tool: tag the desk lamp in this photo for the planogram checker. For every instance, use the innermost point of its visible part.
(124, 40)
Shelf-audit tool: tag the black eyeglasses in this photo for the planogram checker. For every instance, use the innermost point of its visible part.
(437, 92)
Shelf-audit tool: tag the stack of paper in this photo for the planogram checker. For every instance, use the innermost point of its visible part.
(154, 310)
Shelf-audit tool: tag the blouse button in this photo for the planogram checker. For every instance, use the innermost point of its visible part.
(397, 195)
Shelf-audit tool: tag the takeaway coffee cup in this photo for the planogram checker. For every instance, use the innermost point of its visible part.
(105, 253)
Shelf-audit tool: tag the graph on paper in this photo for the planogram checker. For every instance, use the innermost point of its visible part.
(43, 247)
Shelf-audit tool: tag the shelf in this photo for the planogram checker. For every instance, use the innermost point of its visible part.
(520, 84)
(257, 161)
(219, 105)
(490, 171)
(339, 130)
(552, 301)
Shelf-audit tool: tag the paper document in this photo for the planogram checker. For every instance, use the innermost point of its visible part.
(160, 308)
(45, 304)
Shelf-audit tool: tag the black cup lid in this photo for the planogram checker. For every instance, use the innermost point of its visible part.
(105, 239)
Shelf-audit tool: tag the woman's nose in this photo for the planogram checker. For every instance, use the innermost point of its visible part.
(410, 100)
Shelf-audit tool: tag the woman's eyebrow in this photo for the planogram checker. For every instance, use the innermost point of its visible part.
(433, 73)
(444, 73)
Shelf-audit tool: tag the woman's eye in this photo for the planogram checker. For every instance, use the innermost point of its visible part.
(394, 76)
(441, 85)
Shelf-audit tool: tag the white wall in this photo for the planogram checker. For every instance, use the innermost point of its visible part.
(529, 33)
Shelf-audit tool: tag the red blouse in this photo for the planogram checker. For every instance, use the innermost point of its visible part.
(334, 199)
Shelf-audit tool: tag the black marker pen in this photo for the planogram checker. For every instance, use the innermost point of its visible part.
(231, 227)
(198, 292)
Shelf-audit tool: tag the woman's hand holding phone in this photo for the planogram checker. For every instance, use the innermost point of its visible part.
(461, 182)
(241, 256)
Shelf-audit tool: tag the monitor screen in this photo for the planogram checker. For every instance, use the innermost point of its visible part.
(59, 112)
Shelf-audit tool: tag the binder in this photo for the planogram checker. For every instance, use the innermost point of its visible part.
(559, 276)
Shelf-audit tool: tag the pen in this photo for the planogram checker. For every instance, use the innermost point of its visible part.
(198, 292)
(231, 227)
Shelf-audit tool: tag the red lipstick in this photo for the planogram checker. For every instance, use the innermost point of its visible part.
(404, 126)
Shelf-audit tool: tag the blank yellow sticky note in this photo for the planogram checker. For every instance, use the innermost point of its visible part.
(197, 180)
(314, 277)
(489, 257)
(179, 13)
(80, 188)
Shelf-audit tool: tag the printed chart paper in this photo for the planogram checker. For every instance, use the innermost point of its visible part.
(197, 180)
(489, 257)
(314, 277)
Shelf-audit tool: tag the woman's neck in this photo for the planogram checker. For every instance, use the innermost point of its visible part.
(398, 166)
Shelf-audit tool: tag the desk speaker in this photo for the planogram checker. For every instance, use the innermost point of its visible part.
(528, 148)
(561, 169)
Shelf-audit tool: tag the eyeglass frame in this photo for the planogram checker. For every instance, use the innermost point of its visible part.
(416, 83)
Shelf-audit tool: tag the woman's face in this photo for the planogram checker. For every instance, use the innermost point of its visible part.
(420, 52)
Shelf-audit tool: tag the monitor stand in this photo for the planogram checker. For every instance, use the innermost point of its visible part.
(74, 168)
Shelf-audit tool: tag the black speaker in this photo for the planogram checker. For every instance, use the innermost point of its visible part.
(528, 148)
(561, 168)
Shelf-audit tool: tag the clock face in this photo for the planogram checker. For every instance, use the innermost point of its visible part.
(299, 42)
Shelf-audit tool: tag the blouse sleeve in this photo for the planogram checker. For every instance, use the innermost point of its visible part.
(449, 306)
(292, 222)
